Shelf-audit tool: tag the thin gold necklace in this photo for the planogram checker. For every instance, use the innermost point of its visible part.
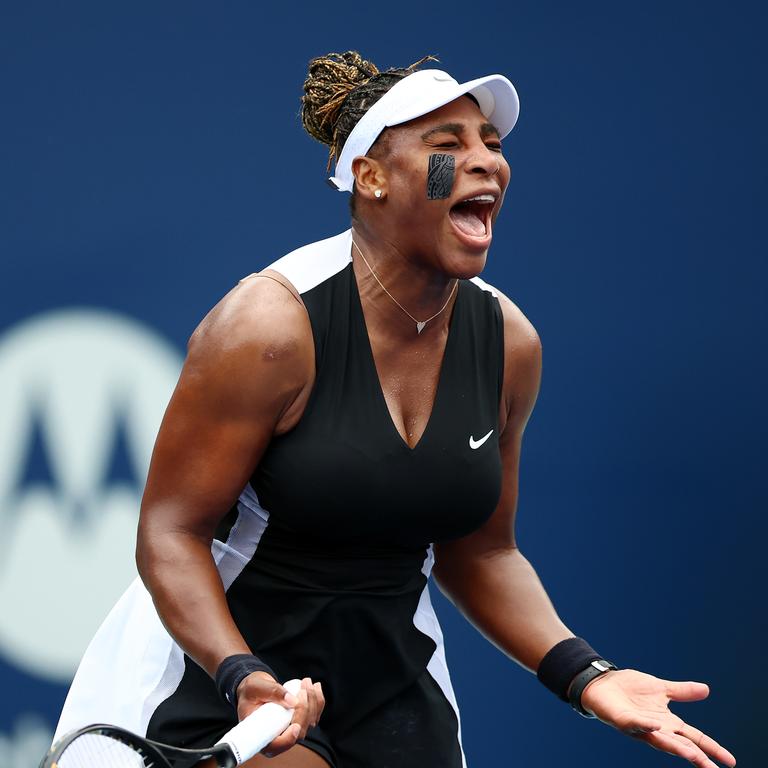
(419, 323)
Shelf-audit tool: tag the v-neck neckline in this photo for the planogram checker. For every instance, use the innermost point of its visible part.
(371, 361)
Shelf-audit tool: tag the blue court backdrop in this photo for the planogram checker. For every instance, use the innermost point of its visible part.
(151, 155)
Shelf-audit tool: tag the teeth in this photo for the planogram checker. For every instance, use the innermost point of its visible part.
(481, 199)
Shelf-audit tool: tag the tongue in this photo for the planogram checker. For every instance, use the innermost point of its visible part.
(467, 221)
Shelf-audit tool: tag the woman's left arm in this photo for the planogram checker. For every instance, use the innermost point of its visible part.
(492, 583)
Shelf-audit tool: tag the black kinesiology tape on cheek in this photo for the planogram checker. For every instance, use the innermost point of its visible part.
(440, 175)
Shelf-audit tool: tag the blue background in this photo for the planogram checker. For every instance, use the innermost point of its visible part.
(151, 155)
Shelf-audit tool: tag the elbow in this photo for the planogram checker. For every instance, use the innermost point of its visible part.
(143, 552)
(446, 585)
(151, 543)
(454, 558)
(450, 574)
(457, 569)
(164, 544)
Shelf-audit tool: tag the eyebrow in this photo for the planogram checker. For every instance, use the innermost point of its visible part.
(455, 128)
(486, 129)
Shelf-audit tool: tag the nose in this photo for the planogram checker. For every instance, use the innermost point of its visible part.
(483, 162)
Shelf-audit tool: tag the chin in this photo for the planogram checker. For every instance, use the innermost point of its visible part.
(464, 264)
(463, 257)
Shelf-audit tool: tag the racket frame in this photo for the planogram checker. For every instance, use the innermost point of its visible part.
(161, 753)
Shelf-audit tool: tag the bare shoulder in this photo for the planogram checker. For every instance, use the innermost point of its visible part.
(520, 337)
(255, 345)
(261, 310)
(522, 363)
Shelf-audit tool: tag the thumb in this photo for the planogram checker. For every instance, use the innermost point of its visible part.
(264, 687)
(686, 691)
(259, 688)
(279, 694)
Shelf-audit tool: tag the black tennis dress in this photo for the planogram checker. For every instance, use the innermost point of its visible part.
(325, 557)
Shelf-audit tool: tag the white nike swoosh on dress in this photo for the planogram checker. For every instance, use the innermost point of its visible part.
(475, 444)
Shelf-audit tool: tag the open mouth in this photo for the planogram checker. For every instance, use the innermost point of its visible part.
(472, 217)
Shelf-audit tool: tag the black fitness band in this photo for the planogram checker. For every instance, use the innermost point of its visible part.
(233, 670)
(583, 679)
(563, 662)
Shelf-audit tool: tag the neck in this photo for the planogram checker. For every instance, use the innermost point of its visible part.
(412, 282)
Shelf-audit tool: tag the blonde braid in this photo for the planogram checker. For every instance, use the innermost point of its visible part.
(339, 89)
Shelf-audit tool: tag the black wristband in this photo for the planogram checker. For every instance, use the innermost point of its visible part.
(233, 670)
(563, 662)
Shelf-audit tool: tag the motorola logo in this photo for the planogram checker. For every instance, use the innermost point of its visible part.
(82, 393)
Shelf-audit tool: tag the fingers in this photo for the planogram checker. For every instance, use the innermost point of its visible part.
(298, 727)
(706, 744)
(320, 698)
(692, 691)
(283, 742)
(306, 713)
(636, 725)
(678, 745)
(687, 691)
(316, 700)
(310, 707)
(690, 744)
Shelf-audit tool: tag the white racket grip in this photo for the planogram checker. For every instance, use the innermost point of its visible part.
(251, 735)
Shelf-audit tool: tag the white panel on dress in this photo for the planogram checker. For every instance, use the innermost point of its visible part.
(121, 667)
(312, 264)
(425, 620)
(244, 537)
(132, 664)
(480, 283)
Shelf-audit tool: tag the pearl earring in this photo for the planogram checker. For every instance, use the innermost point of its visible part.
(377, 194)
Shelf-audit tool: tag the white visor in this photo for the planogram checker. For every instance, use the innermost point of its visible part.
(416, 95)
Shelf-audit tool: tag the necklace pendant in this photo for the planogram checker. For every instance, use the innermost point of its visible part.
(420, 326)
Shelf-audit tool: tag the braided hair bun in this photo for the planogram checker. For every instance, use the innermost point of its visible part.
(339, 90)
(329, 79)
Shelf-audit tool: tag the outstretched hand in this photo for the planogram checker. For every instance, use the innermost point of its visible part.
(636, 704)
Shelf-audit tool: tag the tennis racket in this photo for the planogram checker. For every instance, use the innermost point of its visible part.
(107, 746)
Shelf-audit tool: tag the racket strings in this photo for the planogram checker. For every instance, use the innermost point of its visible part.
(93, 750)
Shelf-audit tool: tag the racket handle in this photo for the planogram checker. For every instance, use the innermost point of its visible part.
(253, 733)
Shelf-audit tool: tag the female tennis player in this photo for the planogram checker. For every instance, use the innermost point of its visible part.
(348, 421)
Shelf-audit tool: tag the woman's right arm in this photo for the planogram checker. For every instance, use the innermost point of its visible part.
(247, 377)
